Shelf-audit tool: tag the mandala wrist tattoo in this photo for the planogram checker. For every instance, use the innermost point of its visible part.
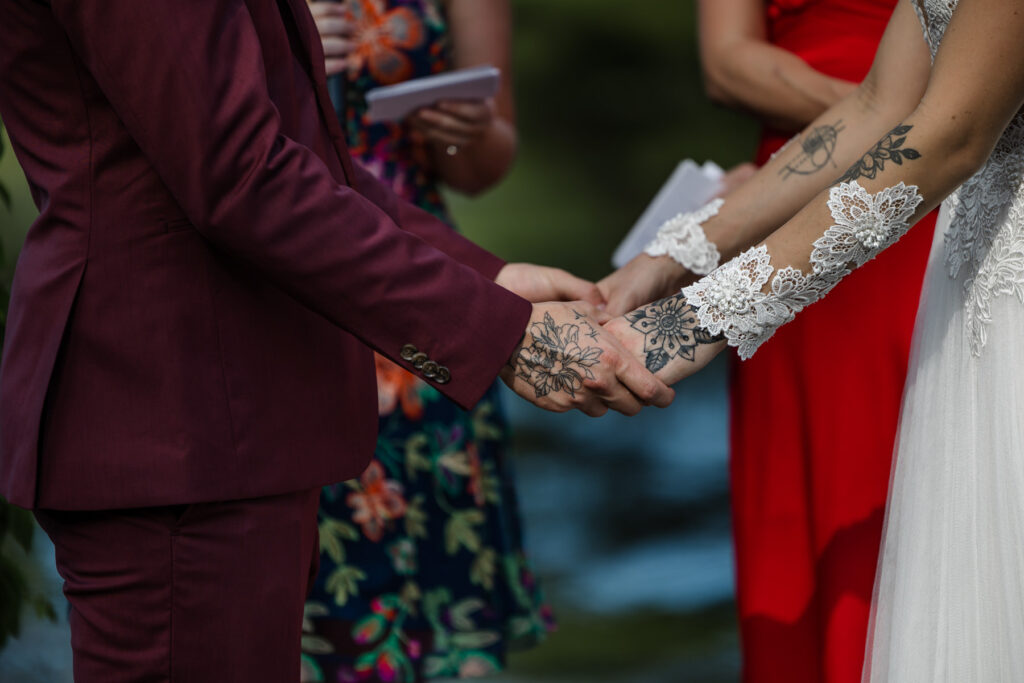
(889, 148)
(553, 359)
(816, 151)
(671, 330)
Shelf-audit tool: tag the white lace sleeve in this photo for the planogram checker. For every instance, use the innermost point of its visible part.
(683, 239)
(731, 301)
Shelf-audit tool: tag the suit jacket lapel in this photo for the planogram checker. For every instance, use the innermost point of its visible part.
(313, 57)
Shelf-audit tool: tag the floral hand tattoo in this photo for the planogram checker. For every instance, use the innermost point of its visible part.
(554, 360)
(671, 330)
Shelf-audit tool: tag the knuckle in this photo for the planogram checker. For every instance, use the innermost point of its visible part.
(648, 391)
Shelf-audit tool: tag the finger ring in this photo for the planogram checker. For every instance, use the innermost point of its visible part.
(451, 150)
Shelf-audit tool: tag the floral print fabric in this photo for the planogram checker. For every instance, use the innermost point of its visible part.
(394, 41)
(422, 572)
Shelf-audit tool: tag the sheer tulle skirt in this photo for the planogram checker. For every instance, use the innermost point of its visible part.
(949, 595)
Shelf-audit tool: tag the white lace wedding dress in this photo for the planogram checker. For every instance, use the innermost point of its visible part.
(949, 595)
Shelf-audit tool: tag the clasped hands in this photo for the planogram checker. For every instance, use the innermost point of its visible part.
(605, 347)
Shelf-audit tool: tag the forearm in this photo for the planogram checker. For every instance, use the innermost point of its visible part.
(700, 240)
(901, 156)
(832, 142)
(805, 167)
(773, 85)
(973, 91)
(875, 202)
(478, 166)
(870, 208)
(695, 243)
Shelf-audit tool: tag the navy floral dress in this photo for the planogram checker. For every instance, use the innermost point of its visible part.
(422, 571)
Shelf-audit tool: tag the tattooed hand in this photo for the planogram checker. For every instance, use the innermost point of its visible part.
(643, 279)
(667, 337)
(567, 360)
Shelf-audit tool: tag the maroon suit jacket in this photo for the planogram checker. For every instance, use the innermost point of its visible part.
(193, 311)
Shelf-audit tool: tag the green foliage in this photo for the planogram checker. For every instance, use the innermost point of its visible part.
(17, 594)
(609, 98)
(460, 530)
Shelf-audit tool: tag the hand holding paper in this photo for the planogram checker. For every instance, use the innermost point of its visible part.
(395, 102)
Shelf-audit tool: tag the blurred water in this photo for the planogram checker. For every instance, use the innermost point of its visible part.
(42, 653)
(627, 513)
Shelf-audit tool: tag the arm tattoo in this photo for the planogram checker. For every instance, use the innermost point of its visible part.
(671, 329)
(816, 151)
(553, 359)
(889, 148)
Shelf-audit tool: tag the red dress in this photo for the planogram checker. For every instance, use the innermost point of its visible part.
(814, 417)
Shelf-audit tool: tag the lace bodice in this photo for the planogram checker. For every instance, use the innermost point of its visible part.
(934, 16)
(984, 243)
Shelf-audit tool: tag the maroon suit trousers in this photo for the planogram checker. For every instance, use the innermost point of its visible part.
(203, 593)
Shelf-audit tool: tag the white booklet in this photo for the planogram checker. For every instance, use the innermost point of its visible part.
(395, 102)
(688, 188)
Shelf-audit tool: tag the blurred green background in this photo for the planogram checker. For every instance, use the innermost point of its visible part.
(609, 101)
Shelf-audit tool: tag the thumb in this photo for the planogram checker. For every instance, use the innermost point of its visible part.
(620, 303)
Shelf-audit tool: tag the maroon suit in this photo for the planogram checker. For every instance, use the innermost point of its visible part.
(193, 311)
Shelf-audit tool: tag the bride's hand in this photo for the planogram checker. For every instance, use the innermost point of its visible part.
(667, 338)
(641, 281)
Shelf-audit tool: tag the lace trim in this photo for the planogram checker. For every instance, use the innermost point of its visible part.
(934, 16)
(730, 301)
(683, 239)
(985, 238)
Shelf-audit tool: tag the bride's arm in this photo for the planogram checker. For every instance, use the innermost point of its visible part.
(812, 161)
(976, 87)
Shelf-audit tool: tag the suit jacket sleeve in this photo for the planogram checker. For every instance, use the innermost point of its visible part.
(187, 79)
(427, 226)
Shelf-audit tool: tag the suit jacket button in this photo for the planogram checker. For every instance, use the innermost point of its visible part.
(408, 351)
(444, 375)
(430, 369)
(419, 359)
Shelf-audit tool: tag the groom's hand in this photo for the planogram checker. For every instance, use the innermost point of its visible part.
(567, 360)
(641, 281)
(540, 283)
